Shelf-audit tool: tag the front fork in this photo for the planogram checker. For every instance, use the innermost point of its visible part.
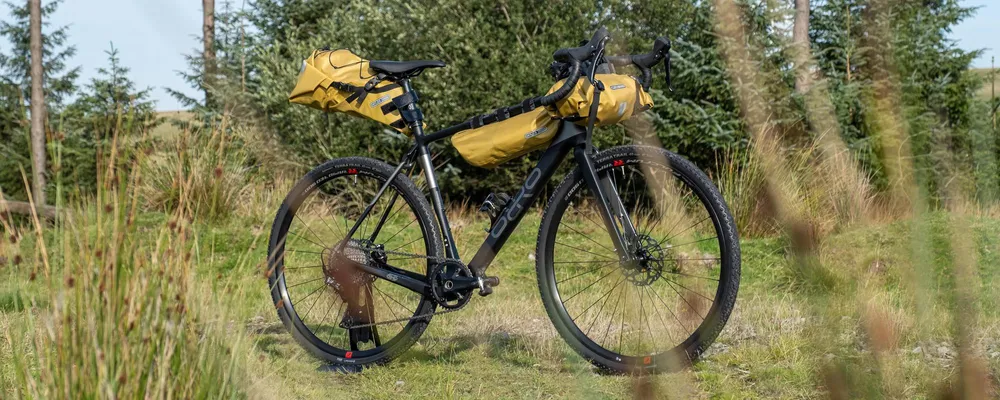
(609, 205)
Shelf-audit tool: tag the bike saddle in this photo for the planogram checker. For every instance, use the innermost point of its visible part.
(404, 69)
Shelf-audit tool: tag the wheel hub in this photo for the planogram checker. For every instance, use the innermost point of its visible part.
(647, 267)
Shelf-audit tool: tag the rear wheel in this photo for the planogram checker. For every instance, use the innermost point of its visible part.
(661, 310)
(335, 310)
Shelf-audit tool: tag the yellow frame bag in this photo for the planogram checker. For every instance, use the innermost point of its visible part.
(496, 143)
(341, 81)
(623, 97)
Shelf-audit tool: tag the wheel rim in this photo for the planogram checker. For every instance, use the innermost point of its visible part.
(316, 222)
(639, 313)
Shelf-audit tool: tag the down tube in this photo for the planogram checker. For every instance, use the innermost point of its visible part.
(516, 208)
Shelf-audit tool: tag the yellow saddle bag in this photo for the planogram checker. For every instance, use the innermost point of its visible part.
(623, 97)
(335, 81)
(496, 143)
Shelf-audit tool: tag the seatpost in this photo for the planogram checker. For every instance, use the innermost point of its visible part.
(415, 119)
(410, 113)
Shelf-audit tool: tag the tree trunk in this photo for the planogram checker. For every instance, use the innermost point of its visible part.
(208, 54)
(800, 46)
(37, 104)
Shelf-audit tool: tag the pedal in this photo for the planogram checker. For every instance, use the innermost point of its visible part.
(488, 283)
(494, 205)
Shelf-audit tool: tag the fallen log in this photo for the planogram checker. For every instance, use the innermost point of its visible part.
(20, 207)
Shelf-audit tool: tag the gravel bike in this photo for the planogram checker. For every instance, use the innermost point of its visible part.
(637, 257)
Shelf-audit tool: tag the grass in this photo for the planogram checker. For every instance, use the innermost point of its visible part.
(503, 346)
(155, 288)
(875, 312)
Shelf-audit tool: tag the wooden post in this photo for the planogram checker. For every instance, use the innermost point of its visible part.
(37, 103)
(208, 54)
(800, 45)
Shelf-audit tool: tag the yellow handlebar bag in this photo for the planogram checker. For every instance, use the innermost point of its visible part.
(496, 143)
(622, 98)
(335, 81)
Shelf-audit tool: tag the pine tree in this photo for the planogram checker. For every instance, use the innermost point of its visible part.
(109, 99)
(15, 88)
(930, 73)
(15, 66)
(228, 88)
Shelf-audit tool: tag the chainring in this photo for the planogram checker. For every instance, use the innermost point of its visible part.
(441, 278)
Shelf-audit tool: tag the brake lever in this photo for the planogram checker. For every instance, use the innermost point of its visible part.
(595, 60)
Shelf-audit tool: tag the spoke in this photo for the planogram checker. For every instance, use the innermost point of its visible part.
(588, 286)
(314, 301)
(612, 319)
(693, 276)
(692, 291)
(394, 316)
(579, 249)
(605, 265)
(407, 244)
(658, 315)
(394, 300)
(685, 300)
(325, 222)
(303, 251)
(400, 230)
(603, 260)
(619, 282)
(308, 229)
(327, 313)
(302, 283)
(605, 303)
(671, 311)
(307, 239)
(621, 329)
(340, 311)
(369, 307)
(696, 241)
(685, 230)
(584, 215)
(642, 313)
(311, 266)
(649, 230)
(589, 238)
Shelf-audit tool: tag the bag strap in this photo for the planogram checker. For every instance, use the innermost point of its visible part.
(401, 102)
(503, 113)
(359, 93)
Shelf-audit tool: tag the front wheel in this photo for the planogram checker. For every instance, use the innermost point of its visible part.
(661, 308)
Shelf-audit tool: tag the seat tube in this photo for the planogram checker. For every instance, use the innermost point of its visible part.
(414, 118)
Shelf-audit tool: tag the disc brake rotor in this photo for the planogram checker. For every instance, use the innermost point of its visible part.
(649, 263)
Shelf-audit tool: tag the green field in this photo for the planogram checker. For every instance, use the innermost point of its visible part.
(783, 341)
(989, 87)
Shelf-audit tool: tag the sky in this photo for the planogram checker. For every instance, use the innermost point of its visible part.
(153, 35)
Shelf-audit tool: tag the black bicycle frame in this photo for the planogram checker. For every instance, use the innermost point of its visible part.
(570, 137)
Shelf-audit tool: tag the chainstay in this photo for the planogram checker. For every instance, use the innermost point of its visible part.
(415, 317)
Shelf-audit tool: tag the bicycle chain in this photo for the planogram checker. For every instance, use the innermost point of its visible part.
(415, 317)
